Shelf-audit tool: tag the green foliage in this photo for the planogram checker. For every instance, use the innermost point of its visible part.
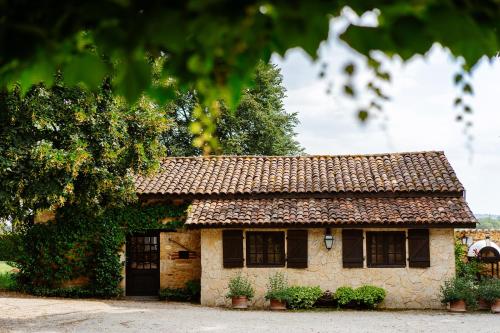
(190, 293)
(8, 246)
(212, 47)
(259, 125)
(364, 296)
(80, 244)
(459, 288)
(302, 297)
(488, 222)
(7, 281)
(467, 268)
(66, 146)
(70, 292)
(489, 289)
(277, 287)
(345, 295)
(240, 286)
(369, 296)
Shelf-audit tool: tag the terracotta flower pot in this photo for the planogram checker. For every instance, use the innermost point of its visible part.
(240, 302)
(495, 306)
(458, 306)
(277, 304)
(482, 305)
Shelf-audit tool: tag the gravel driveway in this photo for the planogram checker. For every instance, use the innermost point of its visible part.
(24, 314)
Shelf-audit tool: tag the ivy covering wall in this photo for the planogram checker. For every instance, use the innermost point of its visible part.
(78, 245)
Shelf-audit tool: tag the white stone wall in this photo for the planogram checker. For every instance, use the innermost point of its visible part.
(406, 287)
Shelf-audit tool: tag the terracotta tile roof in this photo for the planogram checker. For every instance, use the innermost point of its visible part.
(330, 211)
(400, 172)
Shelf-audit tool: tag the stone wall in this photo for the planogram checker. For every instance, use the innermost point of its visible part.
(175, 272)
(479, 234)
(406, 287)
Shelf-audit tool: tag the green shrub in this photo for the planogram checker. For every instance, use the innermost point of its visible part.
(71, 292)
(459, 288)
(190, 293)
(299, 297)
(489, 289)
(369, 296)
(345, 296)
(240, 286)
(466, 268)
(8, 247)
(277, 287)
(7, 281)
(364, 296)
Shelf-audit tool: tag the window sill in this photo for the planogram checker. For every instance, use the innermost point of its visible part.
(265, 266)
(386, 266)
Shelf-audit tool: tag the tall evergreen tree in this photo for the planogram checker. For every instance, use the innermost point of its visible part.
(259, 126)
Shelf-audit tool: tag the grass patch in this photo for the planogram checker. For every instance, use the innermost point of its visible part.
(5, 268)
(6, 278)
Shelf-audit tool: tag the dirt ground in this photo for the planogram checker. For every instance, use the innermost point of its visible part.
(26, 314)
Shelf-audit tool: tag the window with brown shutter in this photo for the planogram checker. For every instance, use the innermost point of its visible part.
(418, 248)
(297, 249)
(386, 249)
(265, 249)
(232, 248)
(352, 248)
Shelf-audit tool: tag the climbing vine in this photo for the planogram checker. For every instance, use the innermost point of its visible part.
(78, 245)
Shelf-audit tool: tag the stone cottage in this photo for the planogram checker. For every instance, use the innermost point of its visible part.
(386, 220)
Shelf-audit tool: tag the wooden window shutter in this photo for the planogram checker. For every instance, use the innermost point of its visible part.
(232, 248)
(418, 248)
(297, 249)
(352, 248)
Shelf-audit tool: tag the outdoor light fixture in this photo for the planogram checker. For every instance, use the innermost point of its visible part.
(466, 240)
(488, 242)
(328, 239)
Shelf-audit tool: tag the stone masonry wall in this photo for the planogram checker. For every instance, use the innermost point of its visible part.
(479, 234)
(406, 287)
(175, 272)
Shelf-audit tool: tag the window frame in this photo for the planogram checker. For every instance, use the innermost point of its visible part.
(370, 235)
(250, 234)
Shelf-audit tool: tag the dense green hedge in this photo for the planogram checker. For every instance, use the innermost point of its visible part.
(363, 297)
(7, 247)
(302, 297)
(78, 244)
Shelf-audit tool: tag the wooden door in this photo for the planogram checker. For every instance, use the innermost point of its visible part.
(143, 264)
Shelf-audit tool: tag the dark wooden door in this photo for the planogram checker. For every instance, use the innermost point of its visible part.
(143, 264)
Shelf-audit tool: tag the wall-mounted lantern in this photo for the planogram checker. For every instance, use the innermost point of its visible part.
(328, 239)
(466, 240)
(488, 241)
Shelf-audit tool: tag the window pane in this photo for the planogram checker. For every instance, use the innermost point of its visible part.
(386, 249)
(265, 248)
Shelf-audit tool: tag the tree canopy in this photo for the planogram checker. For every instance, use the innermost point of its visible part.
(259, 126)
(213, 46)
(67, 146)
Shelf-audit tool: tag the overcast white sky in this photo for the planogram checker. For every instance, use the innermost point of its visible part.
(420, 115)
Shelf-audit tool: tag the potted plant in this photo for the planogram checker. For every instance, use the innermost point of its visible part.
(489, 291)
(240, 291)
(277, 291)
(482, 291)
(459, 293)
